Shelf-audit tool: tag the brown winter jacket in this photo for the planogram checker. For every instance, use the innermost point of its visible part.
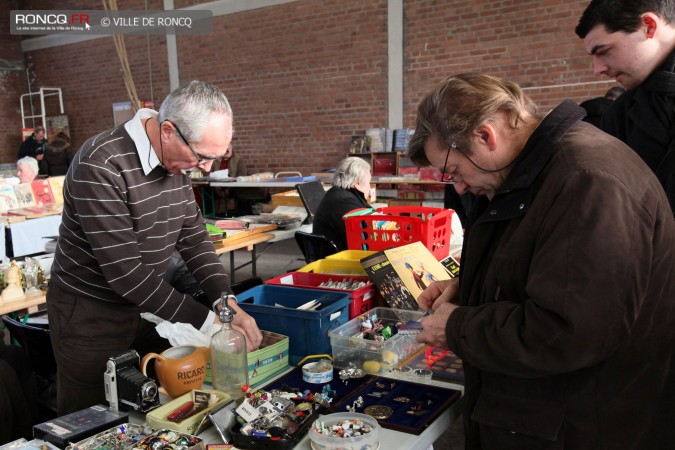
(567, 323)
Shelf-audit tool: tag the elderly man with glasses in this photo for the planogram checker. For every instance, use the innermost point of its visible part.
(128, 204)
(564, 309)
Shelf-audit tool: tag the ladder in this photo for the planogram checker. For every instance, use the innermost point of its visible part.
(42, 93)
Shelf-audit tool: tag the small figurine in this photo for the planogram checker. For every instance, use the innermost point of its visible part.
(13, 291)
(367, 323)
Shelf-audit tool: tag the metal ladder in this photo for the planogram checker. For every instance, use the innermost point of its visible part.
(42, 93)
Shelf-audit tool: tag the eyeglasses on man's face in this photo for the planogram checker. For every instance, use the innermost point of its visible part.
(448, 178)
(201, 159)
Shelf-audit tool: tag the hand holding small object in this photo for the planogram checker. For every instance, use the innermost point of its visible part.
(439, 292)
(433, 326)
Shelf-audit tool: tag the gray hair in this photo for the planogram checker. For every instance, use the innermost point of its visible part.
(30, 162)
(350, 171)
(190, 106)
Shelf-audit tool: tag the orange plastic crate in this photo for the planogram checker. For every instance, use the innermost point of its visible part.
(401, 225)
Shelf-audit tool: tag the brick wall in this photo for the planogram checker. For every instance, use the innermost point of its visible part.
(12, 85)
(304, 76)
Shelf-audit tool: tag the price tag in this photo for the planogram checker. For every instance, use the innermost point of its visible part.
(248, 412)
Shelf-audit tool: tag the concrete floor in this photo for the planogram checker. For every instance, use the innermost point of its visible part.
(280, 257)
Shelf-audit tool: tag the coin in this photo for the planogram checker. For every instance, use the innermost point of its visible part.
(304, 407)
(379, 412)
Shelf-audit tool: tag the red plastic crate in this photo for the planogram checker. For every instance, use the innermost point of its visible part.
(362, 299)
(401, 225)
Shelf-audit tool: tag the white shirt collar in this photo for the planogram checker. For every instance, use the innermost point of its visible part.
(136, 130)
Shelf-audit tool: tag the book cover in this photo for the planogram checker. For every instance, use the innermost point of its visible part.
(388, 282)
(402, 273)
(24, 195)
(57, 188)
(7, 197)
(42, 191)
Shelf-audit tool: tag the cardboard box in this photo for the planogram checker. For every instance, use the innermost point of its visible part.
(288, 198)
(270, 359)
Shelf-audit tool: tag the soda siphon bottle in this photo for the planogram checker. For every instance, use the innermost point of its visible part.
(229, 366)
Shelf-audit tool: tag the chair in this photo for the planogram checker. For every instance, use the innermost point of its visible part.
(314, 246)
(35, 340)
(311, 194)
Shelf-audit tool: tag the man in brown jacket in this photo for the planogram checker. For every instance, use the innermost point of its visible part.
(564, 311)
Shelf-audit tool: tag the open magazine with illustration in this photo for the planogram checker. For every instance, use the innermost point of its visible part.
(401, 274)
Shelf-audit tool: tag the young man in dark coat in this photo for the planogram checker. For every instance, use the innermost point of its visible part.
(596, 107)
(633, 42)
(564, 308)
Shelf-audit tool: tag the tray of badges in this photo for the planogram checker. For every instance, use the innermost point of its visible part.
(142, 437)
(399, 405)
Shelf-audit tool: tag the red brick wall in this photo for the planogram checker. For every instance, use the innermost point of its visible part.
(530, 42)
(303, 76)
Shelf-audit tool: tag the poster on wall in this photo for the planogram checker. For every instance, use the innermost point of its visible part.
(26, 132)
(58, 138)
(56, 125)
(122, 111)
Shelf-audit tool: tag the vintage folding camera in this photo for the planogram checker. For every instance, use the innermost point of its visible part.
(126, 388)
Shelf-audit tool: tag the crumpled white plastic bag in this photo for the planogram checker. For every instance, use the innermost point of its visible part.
(181, 333)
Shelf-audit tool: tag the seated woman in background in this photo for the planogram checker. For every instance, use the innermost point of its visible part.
(27, 169)
(351, 187)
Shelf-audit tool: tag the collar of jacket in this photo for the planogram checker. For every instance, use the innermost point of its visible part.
(358, 194)
(662, 81)
(514, 196)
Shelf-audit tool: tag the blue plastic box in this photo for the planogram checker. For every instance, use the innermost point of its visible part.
(307, 330)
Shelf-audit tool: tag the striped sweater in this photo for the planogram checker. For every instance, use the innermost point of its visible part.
(120, 227)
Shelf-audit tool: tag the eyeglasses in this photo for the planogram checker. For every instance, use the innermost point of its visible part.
(201, 159)
(448, 178)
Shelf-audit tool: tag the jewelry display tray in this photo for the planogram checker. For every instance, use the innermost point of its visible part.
(431, 401)
(293, 381)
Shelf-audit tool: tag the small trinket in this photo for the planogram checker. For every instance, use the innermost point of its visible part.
(379, 412)
(418, 406)
(352, 372)
(358, 403)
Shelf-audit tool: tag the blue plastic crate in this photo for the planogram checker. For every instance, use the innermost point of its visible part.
(307, 330)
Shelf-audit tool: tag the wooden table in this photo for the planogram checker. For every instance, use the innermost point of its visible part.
(29, 304)
(247, 243)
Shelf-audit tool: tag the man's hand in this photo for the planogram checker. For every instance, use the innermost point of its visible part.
(439, 292)
(39, 156)
(433, 326)
(246, 324)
